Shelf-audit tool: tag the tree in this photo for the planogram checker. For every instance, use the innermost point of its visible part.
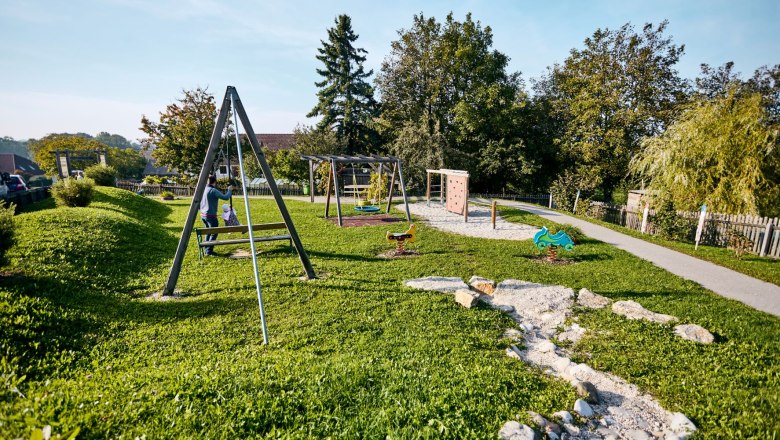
(43, 149)
(722, 152)
(346, 100)
(447, 80)
(113, 140)
(181, 138)
(618, 89)
(129, 163)
(9, 145)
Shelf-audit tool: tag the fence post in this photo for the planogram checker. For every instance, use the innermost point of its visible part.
(550, 205)
(643, 228)
(767, 240)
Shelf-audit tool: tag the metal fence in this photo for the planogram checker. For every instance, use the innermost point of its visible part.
(763, 232)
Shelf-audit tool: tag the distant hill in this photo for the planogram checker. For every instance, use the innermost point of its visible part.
(10, 145)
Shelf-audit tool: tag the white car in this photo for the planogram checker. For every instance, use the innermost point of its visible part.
(3, 189)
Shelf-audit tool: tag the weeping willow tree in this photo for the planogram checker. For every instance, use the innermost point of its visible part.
(722, 152)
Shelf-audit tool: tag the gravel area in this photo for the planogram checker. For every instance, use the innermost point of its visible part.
(479, 224)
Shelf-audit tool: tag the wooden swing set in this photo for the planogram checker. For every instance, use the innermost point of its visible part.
(232, 101)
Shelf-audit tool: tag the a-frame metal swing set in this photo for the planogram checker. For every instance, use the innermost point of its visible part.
(231, 100)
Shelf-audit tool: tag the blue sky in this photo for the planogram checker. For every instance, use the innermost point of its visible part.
(90, 66)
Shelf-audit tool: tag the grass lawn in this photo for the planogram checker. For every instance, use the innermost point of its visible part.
(354, 355)
(763, 268)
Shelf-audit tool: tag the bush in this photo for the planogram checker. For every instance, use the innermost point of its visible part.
(377, 189)
(583, 205)
(667, 223)
(102, 175)
(72, 192)
(154, 180)
(739, 243)
(572, 231)
(6, 229)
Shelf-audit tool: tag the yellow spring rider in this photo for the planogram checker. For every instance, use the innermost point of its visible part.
(401, 238)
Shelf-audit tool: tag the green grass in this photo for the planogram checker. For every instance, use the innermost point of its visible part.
(763, 268)
(354, 355)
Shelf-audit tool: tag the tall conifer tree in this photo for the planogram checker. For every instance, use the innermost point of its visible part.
(346, 100)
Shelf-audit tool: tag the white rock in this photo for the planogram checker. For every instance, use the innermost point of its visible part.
(513, 352)
(637, 434)
(680, 423)
(693, 332)
(538, 419)
(482, 285)
(573, 333)
(580, 371)
(552, 436)
(506, 308)
(582, 408)
(439, 284)
(671, 435)
(526, 327)
(513, 333)
(564, 416)
(571, 429)
(466, 298)
(515, 431)
(634, 310)
(588, 299)
(545, 347)
(562, 363)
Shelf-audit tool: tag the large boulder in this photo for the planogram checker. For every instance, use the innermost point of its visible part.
(482, 285)
(466, 298)
(693, 332)
(586, 298)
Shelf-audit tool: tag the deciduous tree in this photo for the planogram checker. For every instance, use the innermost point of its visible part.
(180, 140)
(722, 152)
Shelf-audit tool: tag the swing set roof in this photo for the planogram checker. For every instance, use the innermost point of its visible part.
(343, 158)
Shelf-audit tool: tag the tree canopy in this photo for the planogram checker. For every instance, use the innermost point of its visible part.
(445, 90)
(180, 140)
(722, 152)
(618, 89)
(128, 163)
(345, 100)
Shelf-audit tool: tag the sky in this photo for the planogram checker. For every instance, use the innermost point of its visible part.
(99, 65)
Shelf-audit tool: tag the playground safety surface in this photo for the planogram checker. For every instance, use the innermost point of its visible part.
(366, 220)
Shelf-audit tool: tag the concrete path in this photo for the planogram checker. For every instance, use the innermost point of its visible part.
(725, 282)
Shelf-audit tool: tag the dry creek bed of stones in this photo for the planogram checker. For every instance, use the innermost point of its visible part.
(608, 407)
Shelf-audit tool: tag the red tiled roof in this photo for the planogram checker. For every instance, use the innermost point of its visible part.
(276, 141)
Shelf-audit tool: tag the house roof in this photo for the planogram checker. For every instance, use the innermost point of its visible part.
(276, 141)
(10, 162)
(151, 170)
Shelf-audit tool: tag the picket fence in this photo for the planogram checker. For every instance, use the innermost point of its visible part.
(763, 232)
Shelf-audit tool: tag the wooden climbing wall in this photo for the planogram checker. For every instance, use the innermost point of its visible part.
(457, 193)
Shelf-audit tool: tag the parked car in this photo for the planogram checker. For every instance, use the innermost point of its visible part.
(15, 183)
(77, 174)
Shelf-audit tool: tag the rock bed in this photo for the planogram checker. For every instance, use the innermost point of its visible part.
(479, 224)
(617, 409)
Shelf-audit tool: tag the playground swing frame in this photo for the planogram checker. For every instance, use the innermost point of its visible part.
(232, 101)
(333, 160)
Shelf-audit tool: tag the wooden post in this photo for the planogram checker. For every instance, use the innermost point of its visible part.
(392, 185)
(311, 180)
(466, 202)
(645, 214)
(403, 190)
(428, 190)
(239, 108)
(327, 192)
(767, 240)
(336, 190)
(576, 200)
(493, 213)
(550, 204)
(442, 191)
(184, 239)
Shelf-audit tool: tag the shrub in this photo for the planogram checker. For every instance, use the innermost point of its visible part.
(572, 231)
(72, 192)
(167, 195)
(377, 189)
(154, 180)
(102, 175)
(583, 205)
(6, 229)
(739, 243)
(667, 223)
(223, 182)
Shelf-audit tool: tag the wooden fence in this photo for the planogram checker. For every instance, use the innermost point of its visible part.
(537, 199)
(187, 191)
(763, 232)
(23, 199)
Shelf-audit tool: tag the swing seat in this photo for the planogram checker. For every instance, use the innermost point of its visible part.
(367, 208)
(200, 233)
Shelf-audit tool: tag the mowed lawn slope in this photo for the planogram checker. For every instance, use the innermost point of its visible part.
(353, 355)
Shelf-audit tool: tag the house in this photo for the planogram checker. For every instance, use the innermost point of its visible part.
(152, 170)
(10, 163)
(276, 141)
(271, 141)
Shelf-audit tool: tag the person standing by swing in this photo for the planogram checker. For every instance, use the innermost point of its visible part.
(208, 208)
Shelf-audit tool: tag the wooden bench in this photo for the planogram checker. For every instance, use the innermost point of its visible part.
(200, 234)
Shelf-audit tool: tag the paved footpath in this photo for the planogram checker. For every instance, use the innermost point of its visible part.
(725, 282)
